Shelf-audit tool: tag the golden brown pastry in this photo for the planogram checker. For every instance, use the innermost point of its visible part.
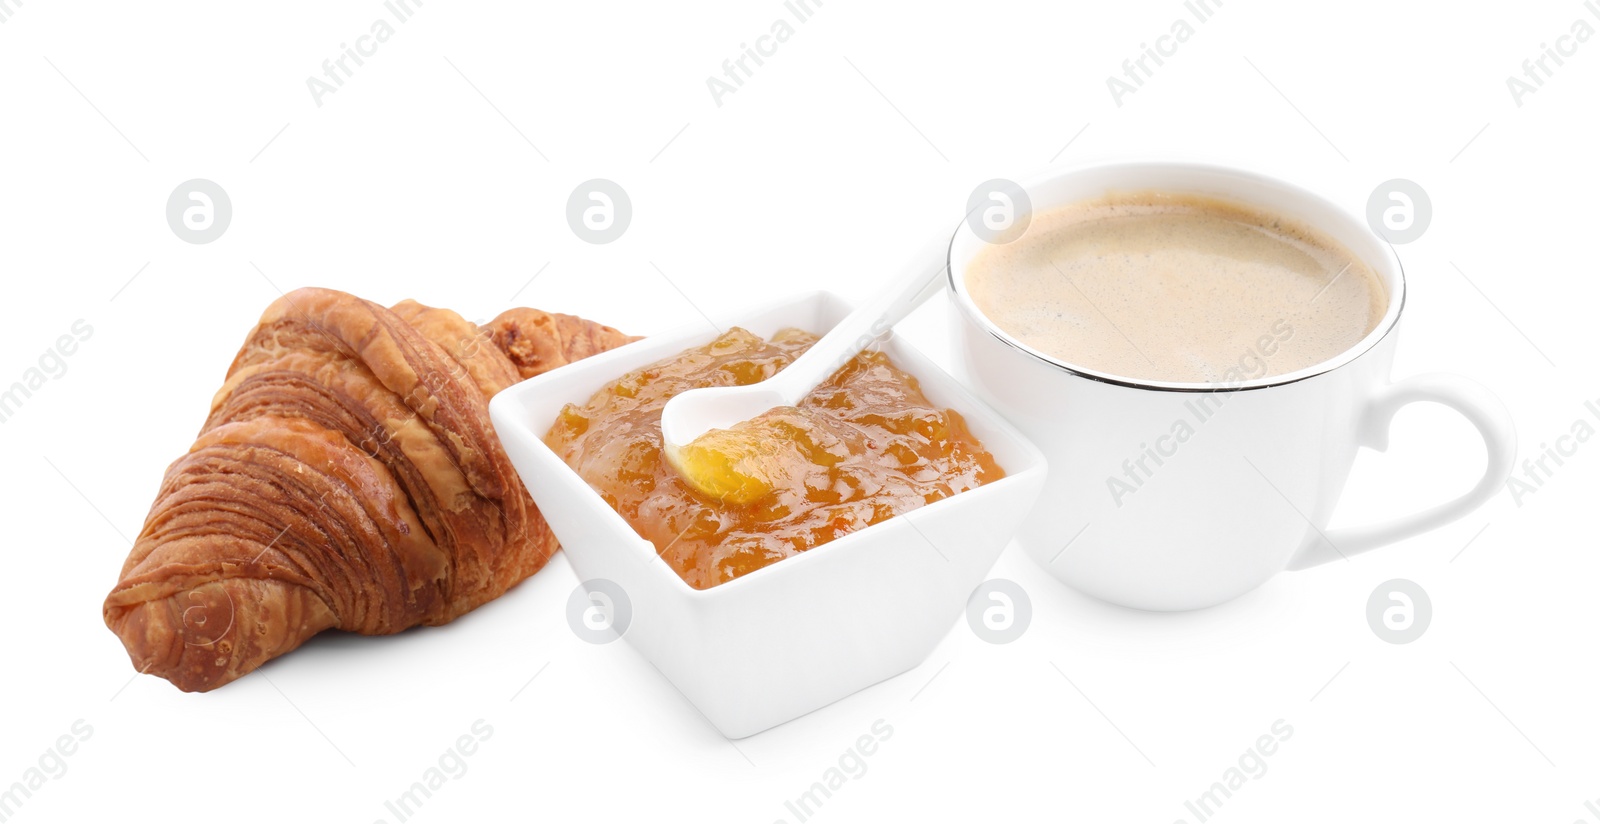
(538, 341)
(347, 477)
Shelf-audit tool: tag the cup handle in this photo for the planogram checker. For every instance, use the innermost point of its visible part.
(1472, 400)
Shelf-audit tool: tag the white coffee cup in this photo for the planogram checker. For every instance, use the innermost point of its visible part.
(1142, 510)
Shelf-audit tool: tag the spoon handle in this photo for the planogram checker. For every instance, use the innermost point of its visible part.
(920, 277)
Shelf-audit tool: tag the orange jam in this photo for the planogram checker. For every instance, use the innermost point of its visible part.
(859, 449)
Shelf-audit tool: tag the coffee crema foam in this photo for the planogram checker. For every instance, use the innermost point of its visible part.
(1178, 288)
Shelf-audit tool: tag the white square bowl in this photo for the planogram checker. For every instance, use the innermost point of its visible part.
(777, 643)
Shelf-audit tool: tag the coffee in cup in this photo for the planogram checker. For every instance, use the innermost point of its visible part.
(1187, 489)
(1158, 286)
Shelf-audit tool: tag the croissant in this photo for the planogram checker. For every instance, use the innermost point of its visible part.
(347, 477)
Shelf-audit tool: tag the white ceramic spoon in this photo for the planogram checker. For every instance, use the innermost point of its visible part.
(698, 411)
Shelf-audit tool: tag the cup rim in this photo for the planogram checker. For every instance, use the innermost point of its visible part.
(1384, 327)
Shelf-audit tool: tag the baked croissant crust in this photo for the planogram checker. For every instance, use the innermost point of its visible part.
(347, 477)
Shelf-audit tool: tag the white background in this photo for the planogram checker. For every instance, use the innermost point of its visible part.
(420, 178)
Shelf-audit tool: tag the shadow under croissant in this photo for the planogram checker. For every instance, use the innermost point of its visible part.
(289, 519)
